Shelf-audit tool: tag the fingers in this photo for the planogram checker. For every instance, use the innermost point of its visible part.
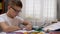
(28, 27)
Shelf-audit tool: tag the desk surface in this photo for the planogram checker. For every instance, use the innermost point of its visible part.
(19, 31)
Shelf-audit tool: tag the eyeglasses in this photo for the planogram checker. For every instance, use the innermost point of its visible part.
(16, 10)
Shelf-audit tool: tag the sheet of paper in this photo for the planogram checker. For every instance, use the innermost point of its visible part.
(53, 26)
(24, 31)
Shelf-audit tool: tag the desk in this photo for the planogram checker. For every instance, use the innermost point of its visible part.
(19, 31)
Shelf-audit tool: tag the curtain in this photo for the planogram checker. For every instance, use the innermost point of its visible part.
(39, 12)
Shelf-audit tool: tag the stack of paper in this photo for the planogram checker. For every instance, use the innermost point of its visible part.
(53, 26)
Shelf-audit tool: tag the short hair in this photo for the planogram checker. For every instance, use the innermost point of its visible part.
(15, 2)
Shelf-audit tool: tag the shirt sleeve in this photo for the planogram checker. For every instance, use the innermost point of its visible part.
(21, 19)
(2, 19)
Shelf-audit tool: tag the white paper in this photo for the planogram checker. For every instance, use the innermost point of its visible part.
(53, 26)
(24, 31)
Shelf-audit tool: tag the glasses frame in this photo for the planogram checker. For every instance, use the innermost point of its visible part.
(16, 10)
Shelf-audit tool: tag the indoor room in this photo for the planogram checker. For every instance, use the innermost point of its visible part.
(42, 16)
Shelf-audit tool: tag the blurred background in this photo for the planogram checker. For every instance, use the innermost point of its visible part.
(38, 12)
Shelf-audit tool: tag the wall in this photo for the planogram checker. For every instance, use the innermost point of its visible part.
(58, 9)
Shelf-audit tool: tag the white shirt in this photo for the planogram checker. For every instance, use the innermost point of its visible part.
(9, 21)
